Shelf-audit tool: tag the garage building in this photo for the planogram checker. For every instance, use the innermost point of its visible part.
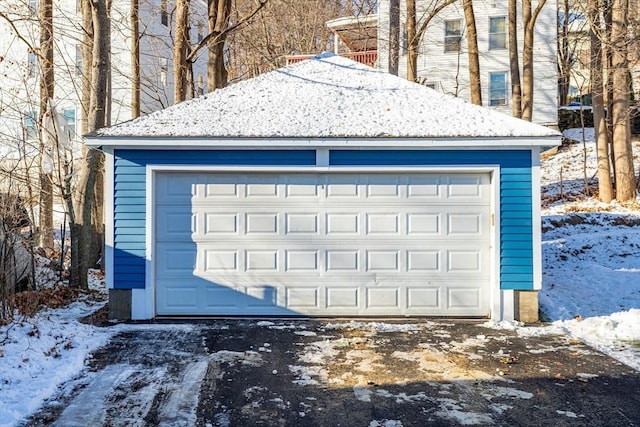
(325, 188)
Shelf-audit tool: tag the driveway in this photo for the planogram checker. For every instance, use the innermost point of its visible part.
(345, 373)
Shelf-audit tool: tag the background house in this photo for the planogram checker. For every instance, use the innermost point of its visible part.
(20, 71)
(443, 60)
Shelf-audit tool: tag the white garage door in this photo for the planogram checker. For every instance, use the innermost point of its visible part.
(322, 244)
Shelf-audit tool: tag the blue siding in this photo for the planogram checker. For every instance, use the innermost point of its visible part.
(130, 196)
(516, 209)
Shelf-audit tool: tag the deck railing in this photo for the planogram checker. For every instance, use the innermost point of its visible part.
(368, 57)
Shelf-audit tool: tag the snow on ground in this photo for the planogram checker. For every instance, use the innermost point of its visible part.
(591, 255)
(40, 353)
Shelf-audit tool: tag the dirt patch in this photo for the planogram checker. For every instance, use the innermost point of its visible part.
(98, 318)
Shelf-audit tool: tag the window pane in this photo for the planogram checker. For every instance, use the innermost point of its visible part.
(30, 120)
(70, 115)
(497, 32)
(452, 35)
(497, 89)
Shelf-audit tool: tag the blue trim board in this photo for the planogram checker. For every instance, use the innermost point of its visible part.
(516, 211)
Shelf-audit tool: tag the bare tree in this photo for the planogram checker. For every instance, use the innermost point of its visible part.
(394, 34)
(472, 47)
(264, 43)
(564, 53)
(46, 94)
(219, 13)
(180, 47)
(529, 19)
(625, 176)
(414, 39)
(134, 18)
(605, 188)
(82, 222)
(514, 66)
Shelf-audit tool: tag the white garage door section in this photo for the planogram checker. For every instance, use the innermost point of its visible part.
(322, 244)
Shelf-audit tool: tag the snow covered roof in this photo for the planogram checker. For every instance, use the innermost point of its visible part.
(325, 97)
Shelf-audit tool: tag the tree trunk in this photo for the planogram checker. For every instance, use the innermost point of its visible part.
(564, 56)
(605, 189)
(135, 59)
(472, 46)
(514, 66)
(46, 94)
(625, 176)
(181, 44)
(412, 42)
(87, 55)
(607, 8)
(219, 14)
(83, 229)
(528, 22)
(394, 35)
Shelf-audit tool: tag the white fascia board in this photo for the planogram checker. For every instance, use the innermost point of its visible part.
(109, 232)
(197, 143)
(536, 197)
(352, 22)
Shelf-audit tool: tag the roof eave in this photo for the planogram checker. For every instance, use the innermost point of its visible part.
(201, 143)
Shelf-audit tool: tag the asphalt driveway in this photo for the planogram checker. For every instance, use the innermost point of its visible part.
(345, 373)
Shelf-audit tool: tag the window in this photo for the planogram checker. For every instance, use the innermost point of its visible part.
(498, 32)
(79, 60)
(164, 69)
(452, 35)
(164, 16)
(70, 127)
(29, 125)
(33, 6)
(497, 89)
(31, 65)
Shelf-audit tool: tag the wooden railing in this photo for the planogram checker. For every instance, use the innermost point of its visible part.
(368, 57)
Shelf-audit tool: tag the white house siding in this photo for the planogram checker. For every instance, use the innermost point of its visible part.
(19, 91)
(448, 71)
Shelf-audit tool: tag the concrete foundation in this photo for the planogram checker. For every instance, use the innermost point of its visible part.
(526, 306)
(120, 304)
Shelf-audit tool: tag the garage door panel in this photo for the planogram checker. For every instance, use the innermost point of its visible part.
(177, 259)
(219, 223)
(322, 244)
(221, 260)
(343, 297)
(302, 223)
(302, 260)
(464, 298)
(303, 298)
(467, 187)
(174, 224)
(383, 298)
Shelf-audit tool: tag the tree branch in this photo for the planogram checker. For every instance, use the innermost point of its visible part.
(15, 29)
(213, 36)
(436, 10)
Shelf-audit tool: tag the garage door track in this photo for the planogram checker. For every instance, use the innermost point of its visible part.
(345, 373)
